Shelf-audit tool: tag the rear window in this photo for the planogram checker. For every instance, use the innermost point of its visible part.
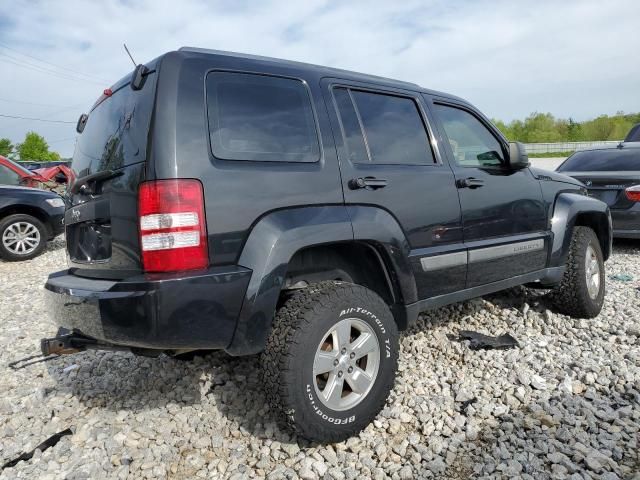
(603, 161)
(116, 132)
(260, 118)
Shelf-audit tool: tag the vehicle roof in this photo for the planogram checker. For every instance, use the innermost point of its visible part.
(322, 70)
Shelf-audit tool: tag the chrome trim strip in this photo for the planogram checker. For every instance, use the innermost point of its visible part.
(446, 260)
(500, 251)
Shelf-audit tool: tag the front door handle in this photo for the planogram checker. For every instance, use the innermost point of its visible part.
(469, 183)
(367, 182)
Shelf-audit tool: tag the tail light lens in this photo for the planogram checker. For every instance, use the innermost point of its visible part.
(633, 193)
(173, 231)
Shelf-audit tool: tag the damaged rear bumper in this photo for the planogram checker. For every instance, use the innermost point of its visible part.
(151, 311)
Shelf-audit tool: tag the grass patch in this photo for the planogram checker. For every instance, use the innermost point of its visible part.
(550, 154)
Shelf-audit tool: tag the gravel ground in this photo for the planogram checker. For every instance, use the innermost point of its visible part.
(566, 404)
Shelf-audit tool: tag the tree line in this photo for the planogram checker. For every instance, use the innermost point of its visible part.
(544, 127)
(34, 147)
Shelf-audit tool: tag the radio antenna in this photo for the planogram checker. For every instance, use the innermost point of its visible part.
(129, 53)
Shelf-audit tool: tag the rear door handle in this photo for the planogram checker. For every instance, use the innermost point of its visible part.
(367, 182)
(469, 183)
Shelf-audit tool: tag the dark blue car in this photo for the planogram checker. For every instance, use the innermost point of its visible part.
(28, 218)
(613, 176)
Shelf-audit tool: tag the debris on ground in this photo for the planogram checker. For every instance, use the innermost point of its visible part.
(48, 443)
(465, 405)
(70, 368)
(30, 360)
(621, 277)
(480, 341)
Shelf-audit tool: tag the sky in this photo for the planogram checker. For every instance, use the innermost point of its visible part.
(576, 59)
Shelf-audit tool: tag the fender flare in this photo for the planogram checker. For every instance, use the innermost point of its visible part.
(567, 209)
(277, 236)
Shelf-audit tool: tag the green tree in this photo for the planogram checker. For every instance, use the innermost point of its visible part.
(35, 147)
(544, 127)
(6, 147)
(574, 131)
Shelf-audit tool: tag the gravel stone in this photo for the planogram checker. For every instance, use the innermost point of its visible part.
(566, 404)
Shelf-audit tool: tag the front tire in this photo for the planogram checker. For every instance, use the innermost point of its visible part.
(581, 291)
(22, 237)
(331, 360)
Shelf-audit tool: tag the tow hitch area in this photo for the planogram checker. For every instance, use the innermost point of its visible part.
(66, 342)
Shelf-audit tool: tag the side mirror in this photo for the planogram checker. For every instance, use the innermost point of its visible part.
(518, 158)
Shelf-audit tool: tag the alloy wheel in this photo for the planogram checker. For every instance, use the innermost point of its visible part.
(21, 238)
(346, 364)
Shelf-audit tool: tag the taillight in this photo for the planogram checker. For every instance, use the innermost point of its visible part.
(173, 232)
(633, 193)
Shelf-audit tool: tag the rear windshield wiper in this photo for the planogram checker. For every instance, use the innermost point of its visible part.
(82, 183)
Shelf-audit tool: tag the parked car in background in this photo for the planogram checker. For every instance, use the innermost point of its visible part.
(634, 134)
(611, 174)
(29, 217)
(15, 173)
(11, 173)
(33, 165)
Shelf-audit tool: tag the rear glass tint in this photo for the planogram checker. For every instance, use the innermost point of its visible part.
(260, 118)
(117, 130)
(603, 161)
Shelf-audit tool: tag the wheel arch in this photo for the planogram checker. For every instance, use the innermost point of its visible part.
(572, 210)
(285, 235)
(35, 212)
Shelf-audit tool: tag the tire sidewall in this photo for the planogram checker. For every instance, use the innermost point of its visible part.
(10, 220)
(309, 406)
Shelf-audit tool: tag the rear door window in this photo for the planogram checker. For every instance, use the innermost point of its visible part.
(260, 118)
(382, 129)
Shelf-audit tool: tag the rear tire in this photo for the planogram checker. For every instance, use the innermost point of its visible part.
(22, 237)
(581, 291)
(330, 360)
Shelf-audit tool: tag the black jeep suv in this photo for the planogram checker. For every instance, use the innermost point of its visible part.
(250, 204)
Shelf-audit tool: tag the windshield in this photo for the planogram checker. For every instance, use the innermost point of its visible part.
(627, 160)
(116, 132)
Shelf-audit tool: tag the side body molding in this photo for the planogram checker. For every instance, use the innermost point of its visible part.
(567, 209)
(277, 236)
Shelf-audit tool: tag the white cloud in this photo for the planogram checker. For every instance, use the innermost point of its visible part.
(572, 58)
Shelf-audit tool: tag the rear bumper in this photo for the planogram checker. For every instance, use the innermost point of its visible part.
(152, 311)
(626, 223)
